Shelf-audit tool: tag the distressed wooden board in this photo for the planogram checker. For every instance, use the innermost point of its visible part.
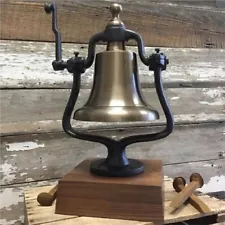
(171, 25)
(28, 65)
(49, 104)
(48, 216)
(12, 209)
(49, 126)
(51, 155)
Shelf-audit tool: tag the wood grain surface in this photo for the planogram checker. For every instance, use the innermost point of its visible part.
(174, 24)
(129, 198)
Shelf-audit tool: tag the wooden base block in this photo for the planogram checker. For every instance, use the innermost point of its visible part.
(139, 197)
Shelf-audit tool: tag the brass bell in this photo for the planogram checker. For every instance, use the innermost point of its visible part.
(116, 95)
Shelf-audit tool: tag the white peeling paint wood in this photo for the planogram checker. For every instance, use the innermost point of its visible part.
(7, 172)
(28, 64)
(12, 202)
(215, 184)
(10, 199)
(42, 104)
(23, 146)
(186, 144)
(218, 95)
(47, 126)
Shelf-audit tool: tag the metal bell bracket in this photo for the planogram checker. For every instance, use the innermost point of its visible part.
(156, 62)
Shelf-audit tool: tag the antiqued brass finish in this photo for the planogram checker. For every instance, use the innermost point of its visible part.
(115, 45)
(116, 95)
(115, 9)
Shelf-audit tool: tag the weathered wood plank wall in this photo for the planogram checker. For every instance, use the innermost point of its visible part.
(24, 105)
(160, 23)
(51, 155)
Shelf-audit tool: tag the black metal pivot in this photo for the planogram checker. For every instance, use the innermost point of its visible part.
(116, 164)
(100, 167)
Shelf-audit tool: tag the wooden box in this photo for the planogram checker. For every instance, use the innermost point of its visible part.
(133, 198)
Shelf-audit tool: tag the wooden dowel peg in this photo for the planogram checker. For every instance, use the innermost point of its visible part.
(196, 182)
(47, 198)
(179, 184)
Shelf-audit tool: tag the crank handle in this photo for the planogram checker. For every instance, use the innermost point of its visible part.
(58, 64)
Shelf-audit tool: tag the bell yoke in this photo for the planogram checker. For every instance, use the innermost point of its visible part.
(116, 94)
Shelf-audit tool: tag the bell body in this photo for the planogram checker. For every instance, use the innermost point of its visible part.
(116, 93)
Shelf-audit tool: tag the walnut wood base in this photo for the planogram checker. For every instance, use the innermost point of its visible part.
(139, 197)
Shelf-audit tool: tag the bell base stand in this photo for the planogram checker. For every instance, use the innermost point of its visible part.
(138, 197)
(101, 168)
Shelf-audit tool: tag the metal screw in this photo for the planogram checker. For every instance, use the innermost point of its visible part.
(157, 50)
(76, 54)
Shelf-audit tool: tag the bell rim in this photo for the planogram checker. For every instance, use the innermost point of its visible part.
(109, 114)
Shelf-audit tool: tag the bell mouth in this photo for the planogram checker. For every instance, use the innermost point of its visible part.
(116, 114)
